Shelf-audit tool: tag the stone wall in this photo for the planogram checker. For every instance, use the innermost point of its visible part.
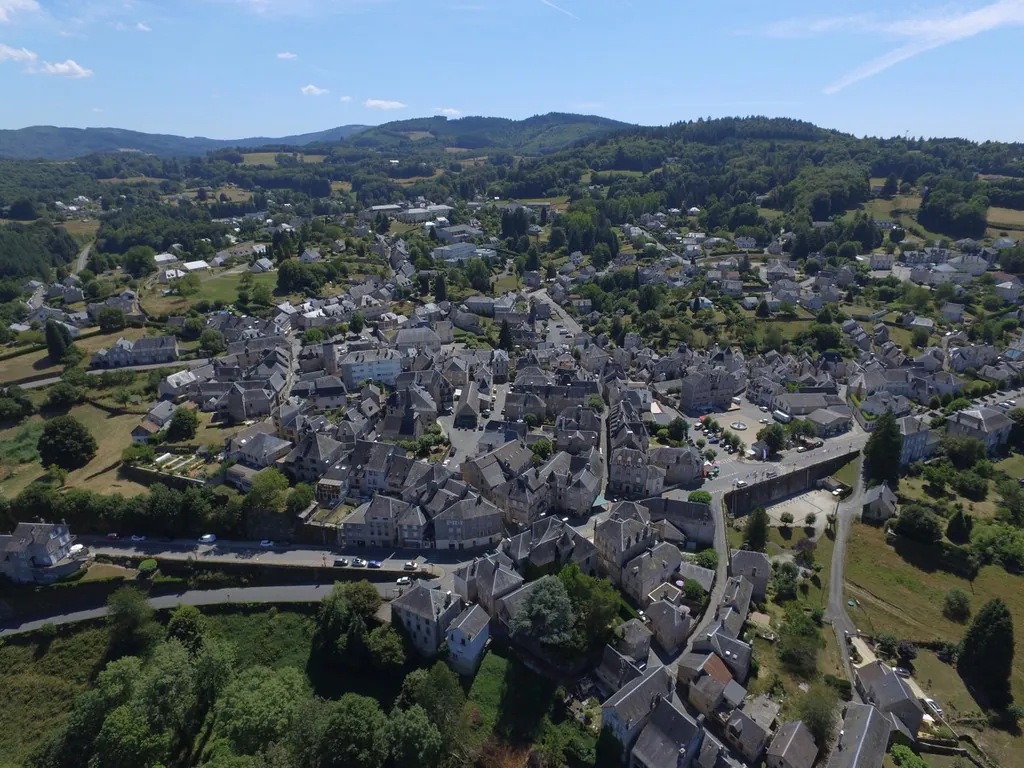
(742, 501)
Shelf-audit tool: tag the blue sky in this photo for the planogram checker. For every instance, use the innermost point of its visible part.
(236, 68)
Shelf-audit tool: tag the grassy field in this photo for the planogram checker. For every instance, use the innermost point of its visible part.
(506, 283)
(270, 158)
(771, 213)
(914, 488)
(223, 288)
(274, 638)
(341, 186)
(113, 435)
(1005, 218)
(508, 699)
(36, 363)
(903, 593)
(40, 680)
(134, 180)
(82, 228)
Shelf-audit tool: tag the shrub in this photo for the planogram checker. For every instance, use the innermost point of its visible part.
(957, 605)
(148, 567)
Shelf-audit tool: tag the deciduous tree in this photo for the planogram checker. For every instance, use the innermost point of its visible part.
(65, 442)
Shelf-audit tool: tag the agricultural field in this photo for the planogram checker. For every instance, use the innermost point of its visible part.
(1005, 218)
(35, 364)
(101, 474)
(82, 229)
(270, 158)
(902, 592)
(341, 186)
(133, 180)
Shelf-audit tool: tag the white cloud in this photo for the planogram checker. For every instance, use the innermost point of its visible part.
(10, 7)
(287, 55)
(312, 90)
(345, 99)
(143, 27)
(448, 111)
(16, 54)
(69, 68)
(570, 14)
(923, 32)
(383, 104)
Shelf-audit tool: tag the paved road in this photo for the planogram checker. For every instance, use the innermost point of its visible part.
(305, 593)
(558, 315)
(97, 371)
(836, 611)
(83, 257)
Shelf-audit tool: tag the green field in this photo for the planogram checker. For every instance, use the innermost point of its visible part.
(222, 288)
(903, 592)
(270, 158)
(1005, 218)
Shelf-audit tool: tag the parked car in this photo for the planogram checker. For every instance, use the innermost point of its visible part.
(208, 538)
(114, 536)
(138, 539)
(267, 544)
(933, 706)
(741, 483)
(358, 562)
(341, 562)
(403, 581)
(410, 566)
(374, 564)
(901, 671)
(801, 449)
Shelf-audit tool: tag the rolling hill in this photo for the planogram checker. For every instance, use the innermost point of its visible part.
(535, 135)
(45, 142)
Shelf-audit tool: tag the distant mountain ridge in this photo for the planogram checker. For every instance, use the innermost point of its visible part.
(47, 142)
(534, 135)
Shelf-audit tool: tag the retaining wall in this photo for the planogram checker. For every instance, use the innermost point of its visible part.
(742, 501)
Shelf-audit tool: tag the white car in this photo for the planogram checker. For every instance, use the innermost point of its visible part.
(403, 581)
(208, 538)
(267, 544)
(764, 409)
(933, 706)
(138, 539)
(741, 483)
(762, 421)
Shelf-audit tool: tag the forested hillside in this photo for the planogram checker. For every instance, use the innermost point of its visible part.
(28, 251)
(47, 142)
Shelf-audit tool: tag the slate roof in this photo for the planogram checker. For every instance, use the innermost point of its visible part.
(471, 621)
(666, 735)
(794, 743)
(864, 737)
(421, 601)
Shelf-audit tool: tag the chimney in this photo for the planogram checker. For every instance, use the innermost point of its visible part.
(447, 598)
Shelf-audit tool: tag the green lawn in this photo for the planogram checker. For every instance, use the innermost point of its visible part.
(847, 474)
(222, 288)
(505, 284)
(273, 638)
(903, 592)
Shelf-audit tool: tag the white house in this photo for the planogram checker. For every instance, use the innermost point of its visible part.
(467, 638)
(195, 266)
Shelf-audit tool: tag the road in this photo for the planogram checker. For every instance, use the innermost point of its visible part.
(83, 257)
(558, 314)
(836, 611)
(199, 362)
(304, 593)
